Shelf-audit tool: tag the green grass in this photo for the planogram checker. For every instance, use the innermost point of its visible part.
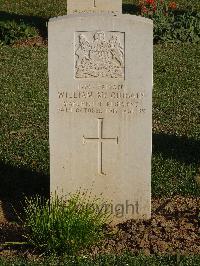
(176, 114)
(176, 90)
(29, 18)
(39, 8)
(106, 260)
(24, 153)
(52, 8)
(24, 107)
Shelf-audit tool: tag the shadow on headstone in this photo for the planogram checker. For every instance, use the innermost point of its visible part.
(18, 183)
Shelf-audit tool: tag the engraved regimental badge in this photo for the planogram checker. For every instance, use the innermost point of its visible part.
(99, 55)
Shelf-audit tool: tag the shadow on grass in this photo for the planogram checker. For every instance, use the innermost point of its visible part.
(18, 183)
(38, 22)
(181, 149)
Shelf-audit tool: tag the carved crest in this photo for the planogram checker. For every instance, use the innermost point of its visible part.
(99, 58)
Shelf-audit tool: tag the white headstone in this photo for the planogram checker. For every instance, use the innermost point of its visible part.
(100, 79)
(94, 6)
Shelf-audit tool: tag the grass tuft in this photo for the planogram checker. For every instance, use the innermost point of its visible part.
(64, 225)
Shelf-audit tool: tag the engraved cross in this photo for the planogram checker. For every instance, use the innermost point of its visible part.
(100, 140)
(94, 3)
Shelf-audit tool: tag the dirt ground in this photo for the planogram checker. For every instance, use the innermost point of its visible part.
(174, 228)
(31, 42)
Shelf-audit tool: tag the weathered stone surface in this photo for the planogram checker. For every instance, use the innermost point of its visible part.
(94, 6)
(100, 78)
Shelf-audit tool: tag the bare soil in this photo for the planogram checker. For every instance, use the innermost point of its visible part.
(31, 42)
(174, 228)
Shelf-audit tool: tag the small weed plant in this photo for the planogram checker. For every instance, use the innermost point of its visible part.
(171, 25)
(62, 226)
(11, 31)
